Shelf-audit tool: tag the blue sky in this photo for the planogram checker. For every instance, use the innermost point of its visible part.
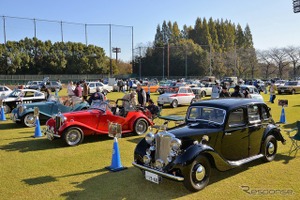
(272, 22)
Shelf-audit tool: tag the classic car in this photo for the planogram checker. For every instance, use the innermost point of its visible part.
(220, 133)
(24, 113)
(176, 96)
(21, 96)
(254, 92)
(103, 87)
(207, 89)
(199, 91)
(74, 126)
(4, 91)
(153, 87)
(35, 85)
(290, 87)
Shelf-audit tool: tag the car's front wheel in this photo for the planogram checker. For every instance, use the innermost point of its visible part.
(197, 176)
(140, 126)
(29, 120)
(73, 136)
(174, 103)
(7, 109)
(203, 94)
(269, 148)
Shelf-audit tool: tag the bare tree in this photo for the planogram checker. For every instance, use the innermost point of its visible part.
(294, 56)
(280, 57)
(265, 61)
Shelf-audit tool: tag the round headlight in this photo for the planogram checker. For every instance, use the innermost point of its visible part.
(146, 159)
(159, 163)
(175, 144)
(149, 138)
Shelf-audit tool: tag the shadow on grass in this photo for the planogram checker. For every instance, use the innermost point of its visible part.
(47, 179)
(289, 126)
(10, 125)
(37, 144)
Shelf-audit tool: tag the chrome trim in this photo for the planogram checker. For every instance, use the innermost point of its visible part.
(176, 178)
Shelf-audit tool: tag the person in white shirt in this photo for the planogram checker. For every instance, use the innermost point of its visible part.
(70, 89)
(216, 89)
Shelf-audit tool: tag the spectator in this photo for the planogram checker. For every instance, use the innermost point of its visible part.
(85, 90)
(152, 107)
(246, 93)
(47, 91)
(130, 84)
(215, 93)
(224, 93)
(96, 96)
(141, 94)
(272, 91)
(237, 92)
(70, 89)
(78, 90)
(131, 97)
(148, 92)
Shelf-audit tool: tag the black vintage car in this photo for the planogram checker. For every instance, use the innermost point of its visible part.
(222, 133)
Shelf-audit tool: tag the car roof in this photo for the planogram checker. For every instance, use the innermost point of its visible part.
(227, 103)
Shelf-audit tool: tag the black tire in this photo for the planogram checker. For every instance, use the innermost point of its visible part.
(203, 94)
(140, 126)
(293, 92)
(7, 109)
(73, 136)
(174, 104)
(160, 105)
(198, 174)
(28, 120)
(269, 148)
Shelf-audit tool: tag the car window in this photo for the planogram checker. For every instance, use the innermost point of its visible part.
(182, 90)
(253, 113)
(29, 94)
(189, 90)
(236, 118)
(92, 85)
(207, 114)
(265, 112)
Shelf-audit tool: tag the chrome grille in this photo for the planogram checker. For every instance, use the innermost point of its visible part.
(163, 148)
(58, 122)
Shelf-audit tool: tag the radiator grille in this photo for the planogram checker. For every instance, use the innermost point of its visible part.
(163, 148)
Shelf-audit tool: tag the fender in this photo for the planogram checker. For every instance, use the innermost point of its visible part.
(201, 149)
(74, 123)
(30, 110)
(275, 131)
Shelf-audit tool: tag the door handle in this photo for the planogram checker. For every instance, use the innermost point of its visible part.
(226, 133)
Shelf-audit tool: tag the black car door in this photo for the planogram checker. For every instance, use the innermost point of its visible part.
(235, 141)
(256, 129)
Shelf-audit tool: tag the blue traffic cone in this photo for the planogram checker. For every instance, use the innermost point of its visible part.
(116, 160)
(37, 131)
(2, 117)
(282, 116)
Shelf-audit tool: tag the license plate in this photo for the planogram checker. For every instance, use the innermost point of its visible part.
(282, 90)
(152, 177)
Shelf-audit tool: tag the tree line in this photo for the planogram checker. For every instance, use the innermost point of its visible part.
(33, 56)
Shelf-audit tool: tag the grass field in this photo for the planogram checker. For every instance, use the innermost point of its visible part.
(36, 168)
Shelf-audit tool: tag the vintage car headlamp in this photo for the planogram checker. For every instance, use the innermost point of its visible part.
(149, 138)
(175, 144)
(159, 163)
(146, 159)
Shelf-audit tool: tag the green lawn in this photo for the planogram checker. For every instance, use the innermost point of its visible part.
(36, 168)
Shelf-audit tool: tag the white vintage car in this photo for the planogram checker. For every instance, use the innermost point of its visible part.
(176, 96)
(103, 87)
(254, 92)
(4, 91)
(21, 96)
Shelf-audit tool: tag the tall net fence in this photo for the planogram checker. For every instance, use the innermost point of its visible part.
(107, 36)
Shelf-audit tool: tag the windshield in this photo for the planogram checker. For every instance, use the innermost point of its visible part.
(99, 105)
(210, 114)
(15, 93)
(172, 90)
(291, 83)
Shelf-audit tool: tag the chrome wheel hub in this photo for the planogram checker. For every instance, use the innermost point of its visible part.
(270, 148)
(200, 172)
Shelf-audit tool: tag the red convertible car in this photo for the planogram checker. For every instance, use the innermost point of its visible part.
(74, 126)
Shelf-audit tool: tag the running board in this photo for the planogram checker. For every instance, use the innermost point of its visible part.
(246, 160)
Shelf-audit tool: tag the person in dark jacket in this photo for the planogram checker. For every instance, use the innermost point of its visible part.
(141, 94)
(237, 92)
(96, 96)
(224, 93)
(78, 90)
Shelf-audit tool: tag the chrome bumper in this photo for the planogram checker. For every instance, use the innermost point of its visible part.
(176, 178)
(50, 133)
